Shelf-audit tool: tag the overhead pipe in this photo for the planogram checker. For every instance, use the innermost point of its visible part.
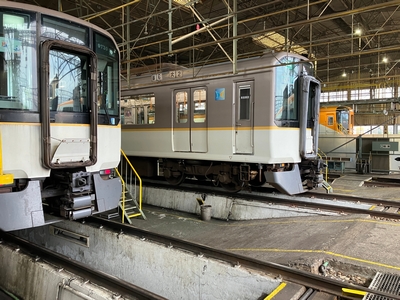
(198, 31)
(278, 28)
(111, 10)
(220, 46)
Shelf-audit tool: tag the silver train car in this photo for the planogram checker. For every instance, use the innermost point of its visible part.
(257, 126)
(59, 117)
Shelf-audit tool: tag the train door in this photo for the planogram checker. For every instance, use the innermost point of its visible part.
(189, 120)
(67, 81)
(244, 123)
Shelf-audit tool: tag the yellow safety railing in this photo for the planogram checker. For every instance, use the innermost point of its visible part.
(342, 129)
(123, 194)
(326, 162)
(125, 171)
(4, 178)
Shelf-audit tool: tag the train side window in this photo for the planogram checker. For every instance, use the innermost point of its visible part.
(244, 103)
(18, 67)
(181, 107)
(199, 107)
(139, 109)
(330, 120)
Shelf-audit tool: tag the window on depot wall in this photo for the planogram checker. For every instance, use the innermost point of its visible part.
(139, 109)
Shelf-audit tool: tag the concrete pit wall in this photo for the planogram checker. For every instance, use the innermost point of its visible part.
(224, 208)
(28, 278)
(169, 272)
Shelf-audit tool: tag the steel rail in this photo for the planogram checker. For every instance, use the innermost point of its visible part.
(317, 282)
(356, 199)
(302, 200)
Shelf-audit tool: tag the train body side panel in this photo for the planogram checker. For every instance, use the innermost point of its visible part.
(108, 148)
(271, 144)
(158, 144)
(21, 151)
(26, 162)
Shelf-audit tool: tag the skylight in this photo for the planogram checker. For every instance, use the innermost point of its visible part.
(276, 41)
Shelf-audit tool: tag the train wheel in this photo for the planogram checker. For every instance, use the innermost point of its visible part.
(174, 177)
(231, 187)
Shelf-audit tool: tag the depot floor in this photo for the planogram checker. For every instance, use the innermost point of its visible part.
(353, 244)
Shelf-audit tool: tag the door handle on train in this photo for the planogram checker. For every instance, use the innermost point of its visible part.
(238, 124)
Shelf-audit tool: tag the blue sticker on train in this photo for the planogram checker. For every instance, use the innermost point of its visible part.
(219, 94)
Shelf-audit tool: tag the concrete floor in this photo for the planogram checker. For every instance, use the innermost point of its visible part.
(352, 244)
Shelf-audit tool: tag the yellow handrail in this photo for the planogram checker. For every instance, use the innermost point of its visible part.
(326, 161)
(137, 175)
(123, 195)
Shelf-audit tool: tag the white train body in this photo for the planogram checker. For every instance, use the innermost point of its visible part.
(56, 160)
(235, 129)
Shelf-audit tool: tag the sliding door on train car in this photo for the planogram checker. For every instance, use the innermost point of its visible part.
(190, 120)
(244, 121)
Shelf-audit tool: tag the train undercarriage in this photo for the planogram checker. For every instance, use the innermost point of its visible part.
(64, 195)
(288, 178)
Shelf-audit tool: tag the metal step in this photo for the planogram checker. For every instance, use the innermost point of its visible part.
(327, 187)
(110, 214)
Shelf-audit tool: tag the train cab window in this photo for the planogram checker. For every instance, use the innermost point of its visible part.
(18, 67)
(139, 109)
(107, 80)
(67, 90)
(58, 30)
(286, 101)
(181, 106)
(330, 120)
(199, 108)
(343, 119)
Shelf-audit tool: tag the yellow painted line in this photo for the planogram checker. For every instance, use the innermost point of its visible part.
(276, 291)
(372, 207)
(315, 251)
(353, 292)
(295, 250)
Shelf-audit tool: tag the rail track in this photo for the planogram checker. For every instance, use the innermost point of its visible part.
(378, 208)
(312, 282)
(120, 287)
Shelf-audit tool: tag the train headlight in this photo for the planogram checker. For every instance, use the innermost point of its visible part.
(107, 173)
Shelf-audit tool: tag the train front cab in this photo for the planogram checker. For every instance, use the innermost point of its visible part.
(336, 119)
(55, 164)
(306, 174)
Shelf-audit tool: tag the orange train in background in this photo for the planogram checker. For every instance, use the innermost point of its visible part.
(336, 119)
